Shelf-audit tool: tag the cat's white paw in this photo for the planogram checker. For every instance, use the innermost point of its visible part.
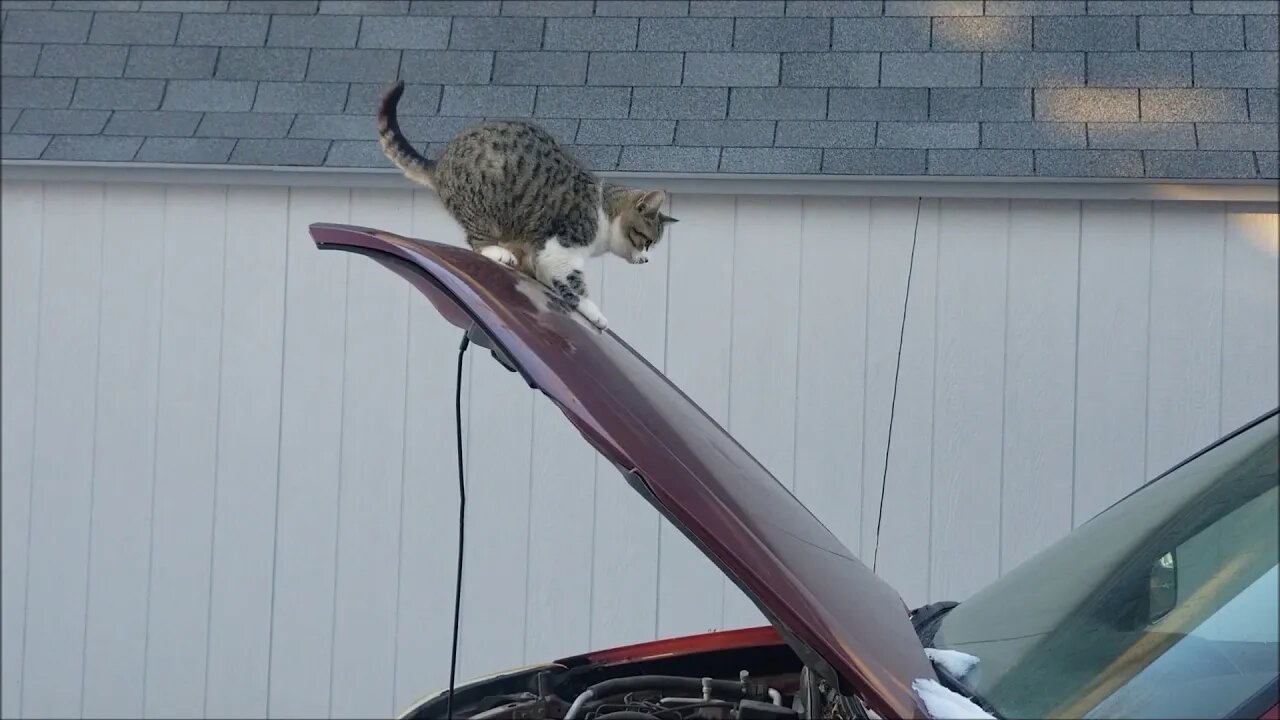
(592, 313)
(497, 253)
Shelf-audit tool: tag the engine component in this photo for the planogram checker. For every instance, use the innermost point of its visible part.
(707, 686)
(756, 710)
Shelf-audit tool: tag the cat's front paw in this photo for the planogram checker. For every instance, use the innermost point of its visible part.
(499, 254)
(592, 313)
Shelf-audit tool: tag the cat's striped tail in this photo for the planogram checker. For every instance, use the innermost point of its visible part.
(396, 146)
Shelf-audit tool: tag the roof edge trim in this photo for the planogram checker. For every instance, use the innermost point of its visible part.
(1248, 191)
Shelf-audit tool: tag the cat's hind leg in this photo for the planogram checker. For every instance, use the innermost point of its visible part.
(492, 250)
(560, 268)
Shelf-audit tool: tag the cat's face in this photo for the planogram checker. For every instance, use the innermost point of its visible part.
(641, 225)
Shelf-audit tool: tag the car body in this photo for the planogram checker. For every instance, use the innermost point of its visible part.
(841, 642)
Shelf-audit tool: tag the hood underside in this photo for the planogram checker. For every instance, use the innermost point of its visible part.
(841, 619)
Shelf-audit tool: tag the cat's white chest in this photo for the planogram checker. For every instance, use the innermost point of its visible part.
(605, 233)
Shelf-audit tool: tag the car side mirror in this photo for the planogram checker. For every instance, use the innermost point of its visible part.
(1162, 584)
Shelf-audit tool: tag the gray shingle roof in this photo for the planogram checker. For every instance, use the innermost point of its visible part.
(1085, 88)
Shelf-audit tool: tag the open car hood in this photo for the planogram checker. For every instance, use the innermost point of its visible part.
(843, 621)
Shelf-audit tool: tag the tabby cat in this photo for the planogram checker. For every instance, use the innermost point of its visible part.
(524, 201)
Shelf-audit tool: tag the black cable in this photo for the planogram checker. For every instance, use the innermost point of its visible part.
(875, 556)
(462, 518)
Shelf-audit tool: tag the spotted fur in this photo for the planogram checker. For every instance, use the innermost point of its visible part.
(522, 199)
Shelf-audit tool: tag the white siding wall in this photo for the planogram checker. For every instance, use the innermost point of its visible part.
(228, 471)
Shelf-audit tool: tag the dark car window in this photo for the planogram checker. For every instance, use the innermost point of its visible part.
(1163, 606)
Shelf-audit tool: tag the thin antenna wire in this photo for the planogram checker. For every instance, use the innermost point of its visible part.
(893, 403)
(462, 516)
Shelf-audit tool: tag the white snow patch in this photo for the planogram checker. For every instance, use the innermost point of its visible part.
(943, 704)
(956, 663)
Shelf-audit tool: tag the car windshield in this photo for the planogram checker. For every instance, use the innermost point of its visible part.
(1162, 606)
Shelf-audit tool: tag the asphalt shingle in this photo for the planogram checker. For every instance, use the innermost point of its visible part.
(1142, 136)
(540, 68)
(874, 162)
(686, 103)
(82, 61)
(731, 69)
(727, 133)
(411, 33)
(830, 69)
(1234, 69)
(174, 63)
(590, 34)
(1006, 104)
(781, 34)
(1033, 135)
(18, 60)
(930, 69)
(692, 34)
(880, 34)
(1199, 164)
(211, 95)
(1184, 32)
(315, 32)
(1140, 69)
(1033, 69)
(277, 97)
(153, 123)
(113, 94)
(1001, 163)
(771, 160)
(62, 122)
(1194, 105)
(185, 150)
(1085, 33)
(583, 102)
(223, 30)
(286, 151)
(262, 64)
(984, 33)
(955, 87)
(879, 104)
(118, 28)
(104, 148)
(824, 134)
(245, 125)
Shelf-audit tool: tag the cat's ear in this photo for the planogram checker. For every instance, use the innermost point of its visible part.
(667, 219)
(649, 202)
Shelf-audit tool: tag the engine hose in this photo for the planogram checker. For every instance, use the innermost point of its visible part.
(627, 715)
(733, 688)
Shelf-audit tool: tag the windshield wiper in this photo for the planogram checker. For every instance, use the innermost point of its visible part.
(950, 682)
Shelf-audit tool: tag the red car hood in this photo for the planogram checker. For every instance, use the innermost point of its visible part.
(841, 619)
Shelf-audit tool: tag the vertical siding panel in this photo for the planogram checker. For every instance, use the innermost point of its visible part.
(766, 297)
(429, 509)
(1250, 342)
(831, 362)
(699, 315)
(1111, 354)
(625, 566)
(1184, 370)
(248, 447)
(561, 528)
(372, 469)
(904, 532)
(186, 450)
(310, 442)
(969, 414)
(21, 242)
(62, 471)
(124, 469)
(499, 436)
(1039, 391)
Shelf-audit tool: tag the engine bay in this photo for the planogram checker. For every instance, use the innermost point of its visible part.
(759, 683)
